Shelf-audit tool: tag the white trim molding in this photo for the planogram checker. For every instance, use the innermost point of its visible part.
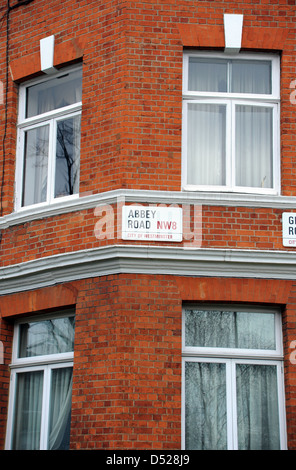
(233, 27)
(47, 55)
(153, 260)
(208, 198)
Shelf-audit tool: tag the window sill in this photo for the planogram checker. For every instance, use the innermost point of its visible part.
(41, 360)
(208, 198)
(240, 190)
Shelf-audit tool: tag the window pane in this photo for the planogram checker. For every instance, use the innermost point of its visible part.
(223, 329)
(47, 337)
(35, 165)
(27, 416)
(253, 146)
(67, 156)
(207, 75)
(251, 76)
(205, 406)
(257, 407)
(54, 93)
(206, 144)
(60, 409)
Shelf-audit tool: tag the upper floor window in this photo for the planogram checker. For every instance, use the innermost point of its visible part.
(48, 155)
(231, 123)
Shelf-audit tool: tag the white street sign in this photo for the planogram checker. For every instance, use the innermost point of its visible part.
(152, 223)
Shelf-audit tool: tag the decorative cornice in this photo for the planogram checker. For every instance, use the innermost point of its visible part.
(131, 259)
(233, 27)
(148, 197)
(28, 66)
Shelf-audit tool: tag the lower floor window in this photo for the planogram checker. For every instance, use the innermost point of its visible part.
(42, 409)
(232, 396)
(41, 385)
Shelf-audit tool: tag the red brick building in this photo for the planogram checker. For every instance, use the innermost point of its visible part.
(148, 204)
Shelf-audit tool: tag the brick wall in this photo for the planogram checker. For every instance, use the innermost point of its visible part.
(127, 365)
(127, 390)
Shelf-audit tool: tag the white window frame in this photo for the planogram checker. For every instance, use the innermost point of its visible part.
(24, 124)
(230, 357)
(45, 363)
(230, 100)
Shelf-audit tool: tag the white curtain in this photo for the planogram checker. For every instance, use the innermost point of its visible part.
(206, 144)
(253, 146)
(35, 165)
(207, 75)
(257, 407)
(249, 76)
(60, 409)
(224, 75)
(27, 418)
(28, 413)
(54, 93)
(206, 412)
(205, 407)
